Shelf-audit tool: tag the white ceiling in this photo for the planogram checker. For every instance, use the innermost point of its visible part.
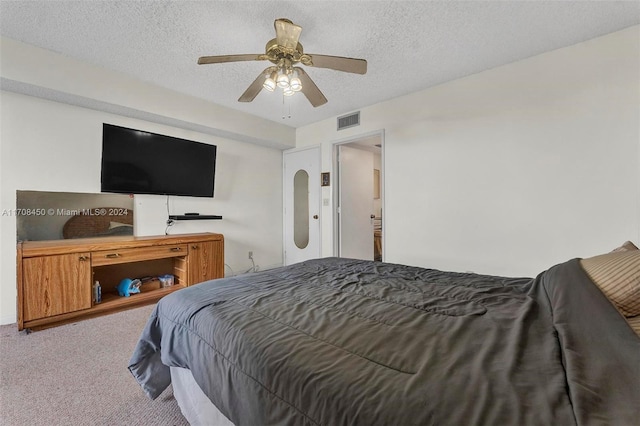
(409, 46)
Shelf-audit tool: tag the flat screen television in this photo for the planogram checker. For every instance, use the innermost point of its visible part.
(140, 162)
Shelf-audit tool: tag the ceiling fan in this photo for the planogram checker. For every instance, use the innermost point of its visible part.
(285, 52)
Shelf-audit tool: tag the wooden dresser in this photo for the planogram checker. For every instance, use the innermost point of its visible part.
(55, 278)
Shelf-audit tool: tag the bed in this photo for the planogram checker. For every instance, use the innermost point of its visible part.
(338, 341)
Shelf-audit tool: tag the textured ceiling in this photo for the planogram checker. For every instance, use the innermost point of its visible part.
(409, 46)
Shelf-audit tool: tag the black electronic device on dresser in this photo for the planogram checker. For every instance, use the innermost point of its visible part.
(194, 216)
(141, 162)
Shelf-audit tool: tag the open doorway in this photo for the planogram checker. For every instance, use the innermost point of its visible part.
(359, 197)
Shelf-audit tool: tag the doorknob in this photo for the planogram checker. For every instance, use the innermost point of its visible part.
(315, 216)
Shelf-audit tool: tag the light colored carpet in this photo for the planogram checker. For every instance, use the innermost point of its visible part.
(77, 374)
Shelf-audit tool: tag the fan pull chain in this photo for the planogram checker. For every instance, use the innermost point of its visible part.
(283, 107)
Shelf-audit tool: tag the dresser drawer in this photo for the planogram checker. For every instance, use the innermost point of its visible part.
(113, 257)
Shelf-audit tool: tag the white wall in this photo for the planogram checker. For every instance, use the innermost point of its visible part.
(377, 202)
(505, 172)
(51, 111)
(43, 73)
(511, 170)
(50, 146)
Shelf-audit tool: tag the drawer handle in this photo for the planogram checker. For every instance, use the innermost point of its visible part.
(112, 255)
(175, 249)
(83, 258)
(194, 247)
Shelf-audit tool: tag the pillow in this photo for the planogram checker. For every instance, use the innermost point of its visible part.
(627, 246)
(618, 277)
(118, 225)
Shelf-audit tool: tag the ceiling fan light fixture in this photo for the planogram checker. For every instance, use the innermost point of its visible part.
(295, 84)
(283, 81)
(269, 83)
(288, 92)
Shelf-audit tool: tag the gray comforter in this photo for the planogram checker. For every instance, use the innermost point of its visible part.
(347, 342)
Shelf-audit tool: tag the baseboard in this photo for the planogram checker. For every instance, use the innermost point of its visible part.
(7, 320)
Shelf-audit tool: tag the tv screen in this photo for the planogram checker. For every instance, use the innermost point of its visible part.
(139, 162)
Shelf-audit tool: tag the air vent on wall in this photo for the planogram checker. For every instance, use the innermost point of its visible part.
(349, 120)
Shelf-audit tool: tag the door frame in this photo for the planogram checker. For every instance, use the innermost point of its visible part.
(284, 198)
(336, 183)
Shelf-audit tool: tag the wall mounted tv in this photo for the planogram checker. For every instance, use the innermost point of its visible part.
(139, 162)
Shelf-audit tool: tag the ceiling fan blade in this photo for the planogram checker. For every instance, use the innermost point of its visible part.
(310, 89)
(228, 58)
(255, 87)
(338, 63)
(287, 33)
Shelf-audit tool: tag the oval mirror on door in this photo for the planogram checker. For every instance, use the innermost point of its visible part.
(301, 209)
